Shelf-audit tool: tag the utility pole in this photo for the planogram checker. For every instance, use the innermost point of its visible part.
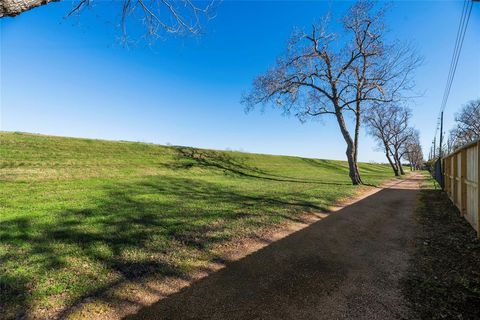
(434, 146)
(440, 166)
(441, 135)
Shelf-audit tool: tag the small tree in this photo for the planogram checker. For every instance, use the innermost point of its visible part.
(323, 73)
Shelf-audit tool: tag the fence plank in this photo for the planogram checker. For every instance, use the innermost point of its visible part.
(458, 180)
(462, 182)
(454, 179)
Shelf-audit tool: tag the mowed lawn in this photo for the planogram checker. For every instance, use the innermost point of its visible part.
(79, 216)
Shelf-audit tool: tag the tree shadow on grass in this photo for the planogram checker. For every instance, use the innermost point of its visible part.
(343, 169)
(190, 157)
(154, 226)
(345, 266)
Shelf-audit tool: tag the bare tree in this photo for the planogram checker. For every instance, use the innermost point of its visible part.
(413, 151)
(400, 133)
(158, 16)
(378, 125)
(388, 125)
(323, 73)
(467, 127)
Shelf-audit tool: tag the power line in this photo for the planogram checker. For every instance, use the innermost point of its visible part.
(462, 35)
(455, 50)
(461, 31)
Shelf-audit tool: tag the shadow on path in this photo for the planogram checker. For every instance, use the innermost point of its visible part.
(153, 226)
(346, 266)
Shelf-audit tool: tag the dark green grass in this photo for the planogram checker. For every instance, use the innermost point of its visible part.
(80, 215)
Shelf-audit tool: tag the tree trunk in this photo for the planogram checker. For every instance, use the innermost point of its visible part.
(402, 172)
(356, 138)
(399, 164)
(357, 128)
(392, 164)
(11, 8)
(352, 162)
(352, 166)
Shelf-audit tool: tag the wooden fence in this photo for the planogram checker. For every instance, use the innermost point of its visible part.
(462, 181)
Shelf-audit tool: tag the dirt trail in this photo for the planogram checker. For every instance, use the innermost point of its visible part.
(345, 266)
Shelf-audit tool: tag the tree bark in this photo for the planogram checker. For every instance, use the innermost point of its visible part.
(356, 138)
(399, 164)
(352, 163)
(12, 8)
(357, 129)
(400, 167)
(392, 164)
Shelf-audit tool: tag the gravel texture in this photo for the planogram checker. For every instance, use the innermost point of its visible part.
(348, 265)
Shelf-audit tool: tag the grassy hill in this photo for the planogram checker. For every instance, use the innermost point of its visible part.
(80, 215)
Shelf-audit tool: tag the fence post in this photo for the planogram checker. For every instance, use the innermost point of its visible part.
(450, 187)
(450, 184)
(454, 179)
(446, 174)
(463, 185)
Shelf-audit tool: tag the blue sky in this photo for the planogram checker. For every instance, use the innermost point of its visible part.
(71, 77)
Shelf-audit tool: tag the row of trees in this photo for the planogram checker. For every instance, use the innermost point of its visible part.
(341, 75)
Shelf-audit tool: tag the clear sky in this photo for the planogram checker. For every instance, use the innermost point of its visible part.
(71, 77)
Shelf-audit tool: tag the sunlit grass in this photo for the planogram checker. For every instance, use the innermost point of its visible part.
(80, 215)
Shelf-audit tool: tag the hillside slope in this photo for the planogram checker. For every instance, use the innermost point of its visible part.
(80, 215)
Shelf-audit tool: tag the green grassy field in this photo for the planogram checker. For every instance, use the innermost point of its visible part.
(80, 215)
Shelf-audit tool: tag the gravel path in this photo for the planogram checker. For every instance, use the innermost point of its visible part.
(346, 266)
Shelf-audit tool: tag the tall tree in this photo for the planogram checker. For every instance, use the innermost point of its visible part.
(324, 73)
(159, 17)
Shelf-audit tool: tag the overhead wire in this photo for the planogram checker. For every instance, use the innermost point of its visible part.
(461, 31)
